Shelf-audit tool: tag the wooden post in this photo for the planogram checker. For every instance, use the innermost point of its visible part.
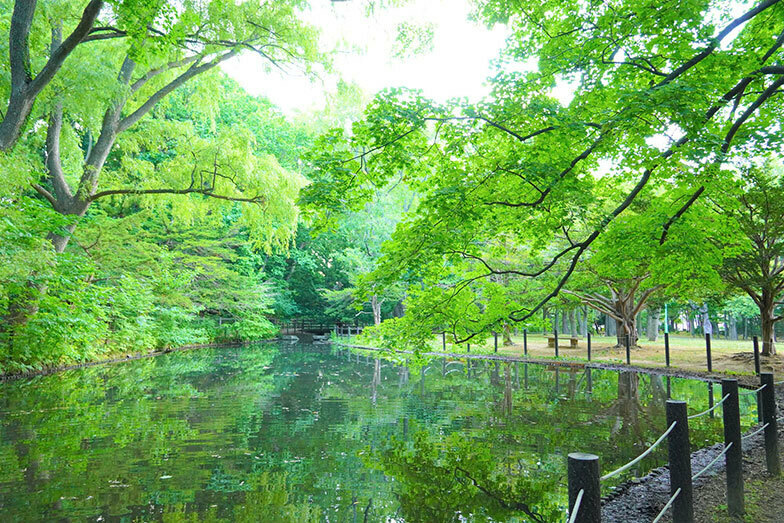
(495, 342)
(555, 334)
(667, 348)
(756, 356)
(734, 456)
(708, 351)
(583, 475)
(588, 341)
(769, 417)
(443, 341)
(525, 342)
(680, 462)
(628, 350)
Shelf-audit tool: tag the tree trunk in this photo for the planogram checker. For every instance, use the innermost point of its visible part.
(376, 306)
(507, 335)
(768, 337)
(572, 323)
(584, 322)
(653, 323)
(610, 326)
(733, 328)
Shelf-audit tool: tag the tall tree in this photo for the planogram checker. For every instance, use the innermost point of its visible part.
(146, 72)
(25, 86)
(755, 260)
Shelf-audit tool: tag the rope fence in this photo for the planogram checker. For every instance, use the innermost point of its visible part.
(576, 508)
(746, 392)
(756, 431)
(667, 506)
(709, 465)
(704, 412)
(584, 472)
(640, 457)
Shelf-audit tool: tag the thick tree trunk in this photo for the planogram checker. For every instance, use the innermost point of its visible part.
(768, 336)
(610, 326)
(24, 87)
(622, 328)
(507, 335)
(584, 322)
(653, 323)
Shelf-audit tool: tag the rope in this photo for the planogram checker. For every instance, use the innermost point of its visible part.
(709, 465)
(710, 409)
(751, 391)
(755, 432)
(667, 506)
(576, 507)
(640, 457)
(779, 382)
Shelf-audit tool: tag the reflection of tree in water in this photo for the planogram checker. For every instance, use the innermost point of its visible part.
(267, 499)
(507, 405)
(454, 479)
(376, 379)
(627, 407)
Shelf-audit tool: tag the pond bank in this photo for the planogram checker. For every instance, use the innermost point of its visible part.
(121, 359)
(674, 372)
(641, 499)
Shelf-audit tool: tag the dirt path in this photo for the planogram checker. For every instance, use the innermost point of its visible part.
(764, 494)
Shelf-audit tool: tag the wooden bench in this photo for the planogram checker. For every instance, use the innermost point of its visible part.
(573, 342)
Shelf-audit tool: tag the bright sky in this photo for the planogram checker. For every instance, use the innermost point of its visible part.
(456, 66)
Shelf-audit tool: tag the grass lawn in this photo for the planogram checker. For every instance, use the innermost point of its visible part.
(686, 352)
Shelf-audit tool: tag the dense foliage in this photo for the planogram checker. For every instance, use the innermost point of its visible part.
(610, 133)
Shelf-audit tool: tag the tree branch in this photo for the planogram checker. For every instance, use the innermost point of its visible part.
(192, 71)
(206, 192)
(59, 55)
(680, 213)
(717, 41)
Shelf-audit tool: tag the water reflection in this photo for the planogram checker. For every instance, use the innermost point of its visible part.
(302, 432)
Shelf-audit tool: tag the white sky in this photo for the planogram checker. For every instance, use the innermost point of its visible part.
(457, 65)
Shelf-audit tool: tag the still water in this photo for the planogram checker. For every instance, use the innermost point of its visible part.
(276, 432)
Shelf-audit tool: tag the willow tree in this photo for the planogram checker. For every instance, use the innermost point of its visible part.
(658, 94)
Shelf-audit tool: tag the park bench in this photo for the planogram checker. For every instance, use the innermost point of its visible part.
(573, 342)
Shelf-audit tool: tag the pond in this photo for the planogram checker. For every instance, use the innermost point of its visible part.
(282, 432)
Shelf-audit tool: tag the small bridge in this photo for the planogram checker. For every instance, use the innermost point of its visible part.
(299, 326)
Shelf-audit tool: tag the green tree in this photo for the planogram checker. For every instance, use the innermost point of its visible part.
(755, 254)
(636, 262)
(658, 97)
(24, 86)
